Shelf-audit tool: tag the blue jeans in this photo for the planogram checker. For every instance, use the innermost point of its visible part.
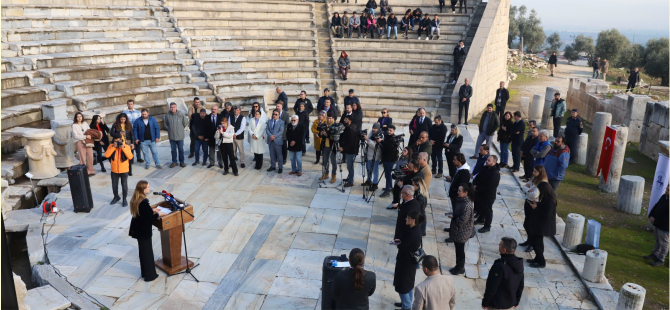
(406, 299)
(201, 144)
(138, 152)
(350, 167)
(296, 161)
(374, 166)
(504, 152)
(150, 145)
(388, 171)
(276, 157)
(395, 31)
(177, 147)
(372, 11)
(414, 22)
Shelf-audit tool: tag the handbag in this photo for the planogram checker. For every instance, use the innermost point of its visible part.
(419, 254)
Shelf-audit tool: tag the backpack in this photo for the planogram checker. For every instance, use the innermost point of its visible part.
(581, 249)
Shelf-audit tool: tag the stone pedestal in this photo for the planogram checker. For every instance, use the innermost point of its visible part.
(41, 154)
(631, 297)
(536, 108)
(547, 121)
(612, 184)
(594, 266)
(63, 143)
(525, 104)
(600, 121)
(56, 109)
(631, 189)
(578, 156)
(574, 229)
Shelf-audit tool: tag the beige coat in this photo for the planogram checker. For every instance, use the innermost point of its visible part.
(437, 292)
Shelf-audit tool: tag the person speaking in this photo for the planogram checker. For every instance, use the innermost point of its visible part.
(140, 228)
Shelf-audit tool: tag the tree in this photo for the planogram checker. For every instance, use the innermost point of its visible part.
(513, 32)
(610, 44)
(554, 41)
(584, 44)
(530, 29)
(656, 57)
(631, 57)
(570, 54)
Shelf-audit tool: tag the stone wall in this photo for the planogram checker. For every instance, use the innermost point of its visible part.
(486, 64)
(654, 129)
(588, 97)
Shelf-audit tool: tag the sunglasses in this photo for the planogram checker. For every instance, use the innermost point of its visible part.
(384, 113)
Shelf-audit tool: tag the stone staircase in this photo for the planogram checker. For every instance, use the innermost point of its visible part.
(326, 73)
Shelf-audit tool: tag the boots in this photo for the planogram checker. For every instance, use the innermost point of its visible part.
(332, 180)
(324, 177)
(102, 167)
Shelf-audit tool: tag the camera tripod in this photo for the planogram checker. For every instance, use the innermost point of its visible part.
(368, 193)
(324, 167)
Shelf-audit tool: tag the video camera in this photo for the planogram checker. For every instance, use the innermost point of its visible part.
(401, 173)
(399, 138)
(334, 131)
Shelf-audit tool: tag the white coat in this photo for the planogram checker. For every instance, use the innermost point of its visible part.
(227, 136)
(258, 146)
(250, 118)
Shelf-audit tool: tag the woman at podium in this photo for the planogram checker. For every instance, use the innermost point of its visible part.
(353, 286)
(140, 228)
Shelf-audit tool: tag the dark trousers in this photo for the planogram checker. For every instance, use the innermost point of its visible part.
(557, 125)
(192, 146)
(500, 110)
(396, 193)
(436, 158)
(124, 184)
(460, 254)
(458, 66)
(284, 150)
(453, 5)
(137, 152)
(147, 267)
(228, 156)
(537, 242)
(516, 155)
(450, 164)
(485, 212)
(100, 151)
(427, 31)
(441, 5)
(463, 106)
(527, 166)
(461, 4)
(258, 158)
(318, 155)
(630, 86)
(388, 172)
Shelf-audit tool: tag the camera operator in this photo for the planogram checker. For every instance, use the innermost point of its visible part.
(327, 145)
(413, 171)
(389, 148)
(373, 154)
(349, 142)
(119, 154)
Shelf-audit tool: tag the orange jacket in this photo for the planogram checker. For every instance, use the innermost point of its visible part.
(119, 166)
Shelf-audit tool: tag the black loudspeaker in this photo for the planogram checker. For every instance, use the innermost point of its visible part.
(329, 272)
(80, 187)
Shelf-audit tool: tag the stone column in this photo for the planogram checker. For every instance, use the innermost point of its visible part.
(631, 297)
(41, 154)
(631, 189)
(600, 121)
(63, 143)
(525, 104)
(547, 121)
(535, 110)
(578, 156)
(618, 156)
(574, 229)
(594, 266)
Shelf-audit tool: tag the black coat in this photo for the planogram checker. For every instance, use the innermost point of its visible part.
(528, 145)
(505, 136)
(459, 55)
(553, 60)
(303, 120)
(129, 132)
(462, 176)
(520, 127)
(322, 103)
(346, 297)
(201, 127)
(296, 134)
(349, 140)
(403, 210)
(308, 106)
(660, 213)
(384, 122)
(544, 215)
(389, 149)
(454, 147)
(503, 95)
(487, 184)
(420, 127)
(504, 284)
(405, 266)
(438, 134)
(493, 123)
(212, 127)
(140, 226)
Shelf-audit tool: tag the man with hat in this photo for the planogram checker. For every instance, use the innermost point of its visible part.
(573, 128)
(351, 99)
(322, 101)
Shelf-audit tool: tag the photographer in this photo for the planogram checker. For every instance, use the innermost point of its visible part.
(412, 171)
(349, 142)
(119, 154)
(327, 145)
(373, 154)
(389, 148)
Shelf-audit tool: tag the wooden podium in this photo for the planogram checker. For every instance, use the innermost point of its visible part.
(171, 236)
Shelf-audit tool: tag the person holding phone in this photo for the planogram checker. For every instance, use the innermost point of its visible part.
(120, 155)
(140, 228)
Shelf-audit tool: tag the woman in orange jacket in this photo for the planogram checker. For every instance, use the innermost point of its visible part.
(119, 154)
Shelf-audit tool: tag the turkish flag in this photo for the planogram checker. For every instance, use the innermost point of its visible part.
(607, 152)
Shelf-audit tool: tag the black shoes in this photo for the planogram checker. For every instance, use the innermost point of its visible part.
(195, 163)
(479, 221)
(537, 265)
(525, 243)
(456, 271)
(484, 229)
(447, 229)
(317, 162)
(235, 174)
(280, 171)
(210, 166)
(529, 249)
(140, 160)
(225, 172)
(385, 194)
(191, 156)
(449, 240)
(271, 169)
(243, 166)
(115, 200)
(650, 256)
(125, 203)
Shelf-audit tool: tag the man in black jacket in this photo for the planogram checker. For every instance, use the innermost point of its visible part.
(633, 79)
(437, 135)
(424, 26)
(517, 139)
(459, 59)
(528, 144)
(596, 68)
(487, 127)
(214, 120)
(464, 94)
(486, 185)
(658, 216)
(389, 158)
(481, 159)
(573, 128)
(502, 95)
(409, 204)
(552, 63)
(504, 284)
(200, 127)
(422, 145)
(348, 100)
(452, 146)
(308, 104)
(461, 176)
(322, 101)
(349, 143)
(419, 124)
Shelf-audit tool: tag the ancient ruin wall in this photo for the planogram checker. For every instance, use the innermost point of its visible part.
(654, 129)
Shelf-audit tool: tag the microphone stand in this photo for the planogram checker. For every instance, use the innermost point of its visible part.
(183, 232)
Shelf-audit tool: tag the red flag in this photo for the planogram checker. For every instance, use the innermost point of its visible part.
(607, 152)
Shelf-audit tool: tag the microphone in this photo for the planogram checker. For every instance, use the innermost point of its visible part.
(158, 193)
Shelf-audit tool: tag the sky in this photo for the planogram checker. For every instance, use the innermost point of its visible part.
(647, 17)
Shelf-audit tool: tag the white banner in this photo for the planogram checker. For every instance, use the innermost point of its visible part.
(660, 181)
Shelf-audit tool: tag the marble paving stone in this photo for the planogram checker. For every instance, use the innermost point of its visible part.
(163, 285)
(561, 273)
(213, 266)
(64, 244)
(139, 300)
(110, 286)
(325, 221)
(472, 251)
(65, 270)
(75, 257)
(484, 271)
(108, 212)
(45, 297)
(198, 240)
(105, 300)
(277, 302)
(471, 271)
(83, 228)
(280, 238)
(189, 295)
(274, 209)
(358, 207)
(213, 218)
(109, 235)
(314, 242)
(353, 233)
(303, 264)
(323, 201)
(246, 181)
(468, 296)
(226, 201)
(244, 301)
(295, 287)
(114, 250)
(123, 221)
(333, 191)
(275, 194)
(235, 235)
(90, 270)
(124, 269)
(537, 298)
(260, 276)
(250, 251)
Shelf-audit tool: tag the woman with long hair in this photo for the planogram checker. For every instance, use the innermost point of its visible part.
(353, 286)
(543, 223)
(392, 23)
(405, 267)
(101, 145)
(140, 228)
(505, 137)
(357, 113)
(226, 133)
(257, 135)
(125, 129)
(422, 196)
(344, 64)
(79, 128)
(532, 195)
(462, 223)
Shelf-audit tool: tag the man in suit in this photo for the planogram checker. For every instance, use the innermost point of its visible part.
(322, 101)
(481, 159)
(274, 131)
(281, 97)
(214, 119)
(409, 204)
(283, 115)
(419, 124)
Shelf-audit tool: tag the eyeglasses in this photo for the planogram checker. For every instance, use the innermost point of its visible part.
(384, 113)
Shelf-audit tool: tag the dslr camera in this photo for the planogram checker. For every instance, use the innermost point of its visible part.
(118, 144)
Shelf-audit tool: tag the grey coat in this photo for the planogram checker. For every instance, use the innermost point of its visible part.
(463, 220)
(343, 62)
(175, 124)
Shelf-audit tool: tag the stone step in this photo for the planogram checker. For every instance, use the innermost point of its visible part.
(259, 73)
(247, 98)
(179, 45)
(27, 114)
(393, 86)
(238, 21)
(398, 63)
(74, 11)
(399, 112)
(23, 95)
(56, 94)
(247, 31)
(48, 87)
(386, 99)
(206, 92)
(256, 62)
(252, 51)
(82, 45)
(400, 8)
(185, 56)
(19, 79)
(39, 80)
(240, 5)
(236, 86)
(192, 67)
(372, 44)
(198, 79)
(381, 74)
(98, 57)
(69, 33)
(397, 53)
(117, 97)
(223, 13)
(97, 85)
(201, 41)
(54, 75)
(9, 53)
